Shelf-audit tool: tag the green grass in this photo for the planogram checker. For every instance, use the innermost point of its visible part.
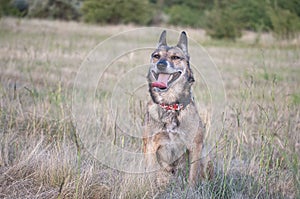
(257, 155)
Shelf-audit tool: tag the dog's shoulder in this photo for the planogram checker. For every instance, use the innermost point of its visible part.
(152, 111)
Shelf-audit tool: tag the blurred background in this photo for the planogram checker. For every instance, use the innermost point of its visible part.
(221, 19)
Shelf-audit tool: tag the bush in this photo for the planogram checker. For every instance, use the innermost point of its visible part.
(286, 25)
(13, 8)
(222, 24)
(252, 15)
(117, 11)
(55, 9)
(185, 16)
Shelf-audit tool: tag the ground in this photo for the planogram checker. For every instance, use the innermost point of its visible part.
(256, 151)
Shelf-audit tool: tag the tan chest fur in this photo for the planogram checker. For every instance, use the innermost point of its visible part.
(179, 127)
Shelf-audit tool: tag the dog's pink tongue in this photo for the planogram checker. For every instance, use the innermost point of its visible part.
(162, 81)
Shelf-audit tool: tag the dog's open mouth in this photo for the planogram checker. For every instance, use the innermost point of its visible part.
(163, 80)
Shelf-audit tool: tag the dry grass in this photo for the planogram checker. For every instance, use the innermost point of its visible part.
(257, 155)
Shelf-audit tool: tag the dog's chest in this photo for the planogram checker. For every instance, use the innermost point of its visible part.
(180, 127)
(164, 120)
(184, 122)
(169, 121)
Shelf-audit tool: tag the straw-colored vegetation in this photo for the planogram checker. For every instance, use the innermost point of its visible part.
(257, 155)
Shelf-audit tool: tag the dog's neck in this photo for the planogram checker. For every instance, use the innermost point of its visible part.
(171, 107)
(175, 106)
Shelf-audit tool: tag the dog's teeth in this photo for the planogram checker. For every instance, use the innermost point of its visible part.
(171, 77)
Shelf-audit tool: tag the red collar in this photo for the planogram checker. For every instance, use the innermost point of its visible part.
(172, 107)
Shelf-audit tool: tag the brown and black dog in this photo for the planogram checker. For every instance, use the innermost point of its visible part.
(174, 132)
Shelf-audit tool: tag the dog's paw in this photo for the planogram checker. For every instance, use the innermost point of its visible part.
(207, 169)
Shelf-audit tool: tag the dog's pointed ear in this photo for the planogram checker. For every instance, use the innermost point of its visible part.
(183, 43)
(191, 78)
(163, 39)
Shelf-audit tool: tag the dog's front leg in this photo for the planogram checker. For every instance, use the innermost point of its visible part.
(149, 150)
(195, 158)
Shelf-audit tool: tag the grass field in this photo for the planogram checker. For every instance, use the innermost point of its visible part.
(256, 156)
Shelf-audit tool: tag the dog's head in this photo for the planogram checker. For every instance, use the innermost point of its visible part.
(170, 76)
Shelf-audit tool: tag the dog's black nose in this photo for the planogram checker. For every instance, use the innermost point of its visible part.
(162, 64)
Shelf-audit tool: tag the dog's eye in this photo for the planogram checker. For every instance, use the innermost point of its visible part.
(156, 56)
(174, 57)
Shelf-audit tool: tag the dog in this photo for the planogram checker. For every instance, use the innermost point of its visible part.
(173, 130)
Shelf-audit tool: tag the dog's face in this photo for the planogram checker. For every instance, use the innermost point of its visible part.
(170, 76)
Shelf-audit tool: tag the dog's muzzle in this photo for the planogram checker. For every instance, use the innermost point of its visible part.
(162, 65)
(164, 80)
